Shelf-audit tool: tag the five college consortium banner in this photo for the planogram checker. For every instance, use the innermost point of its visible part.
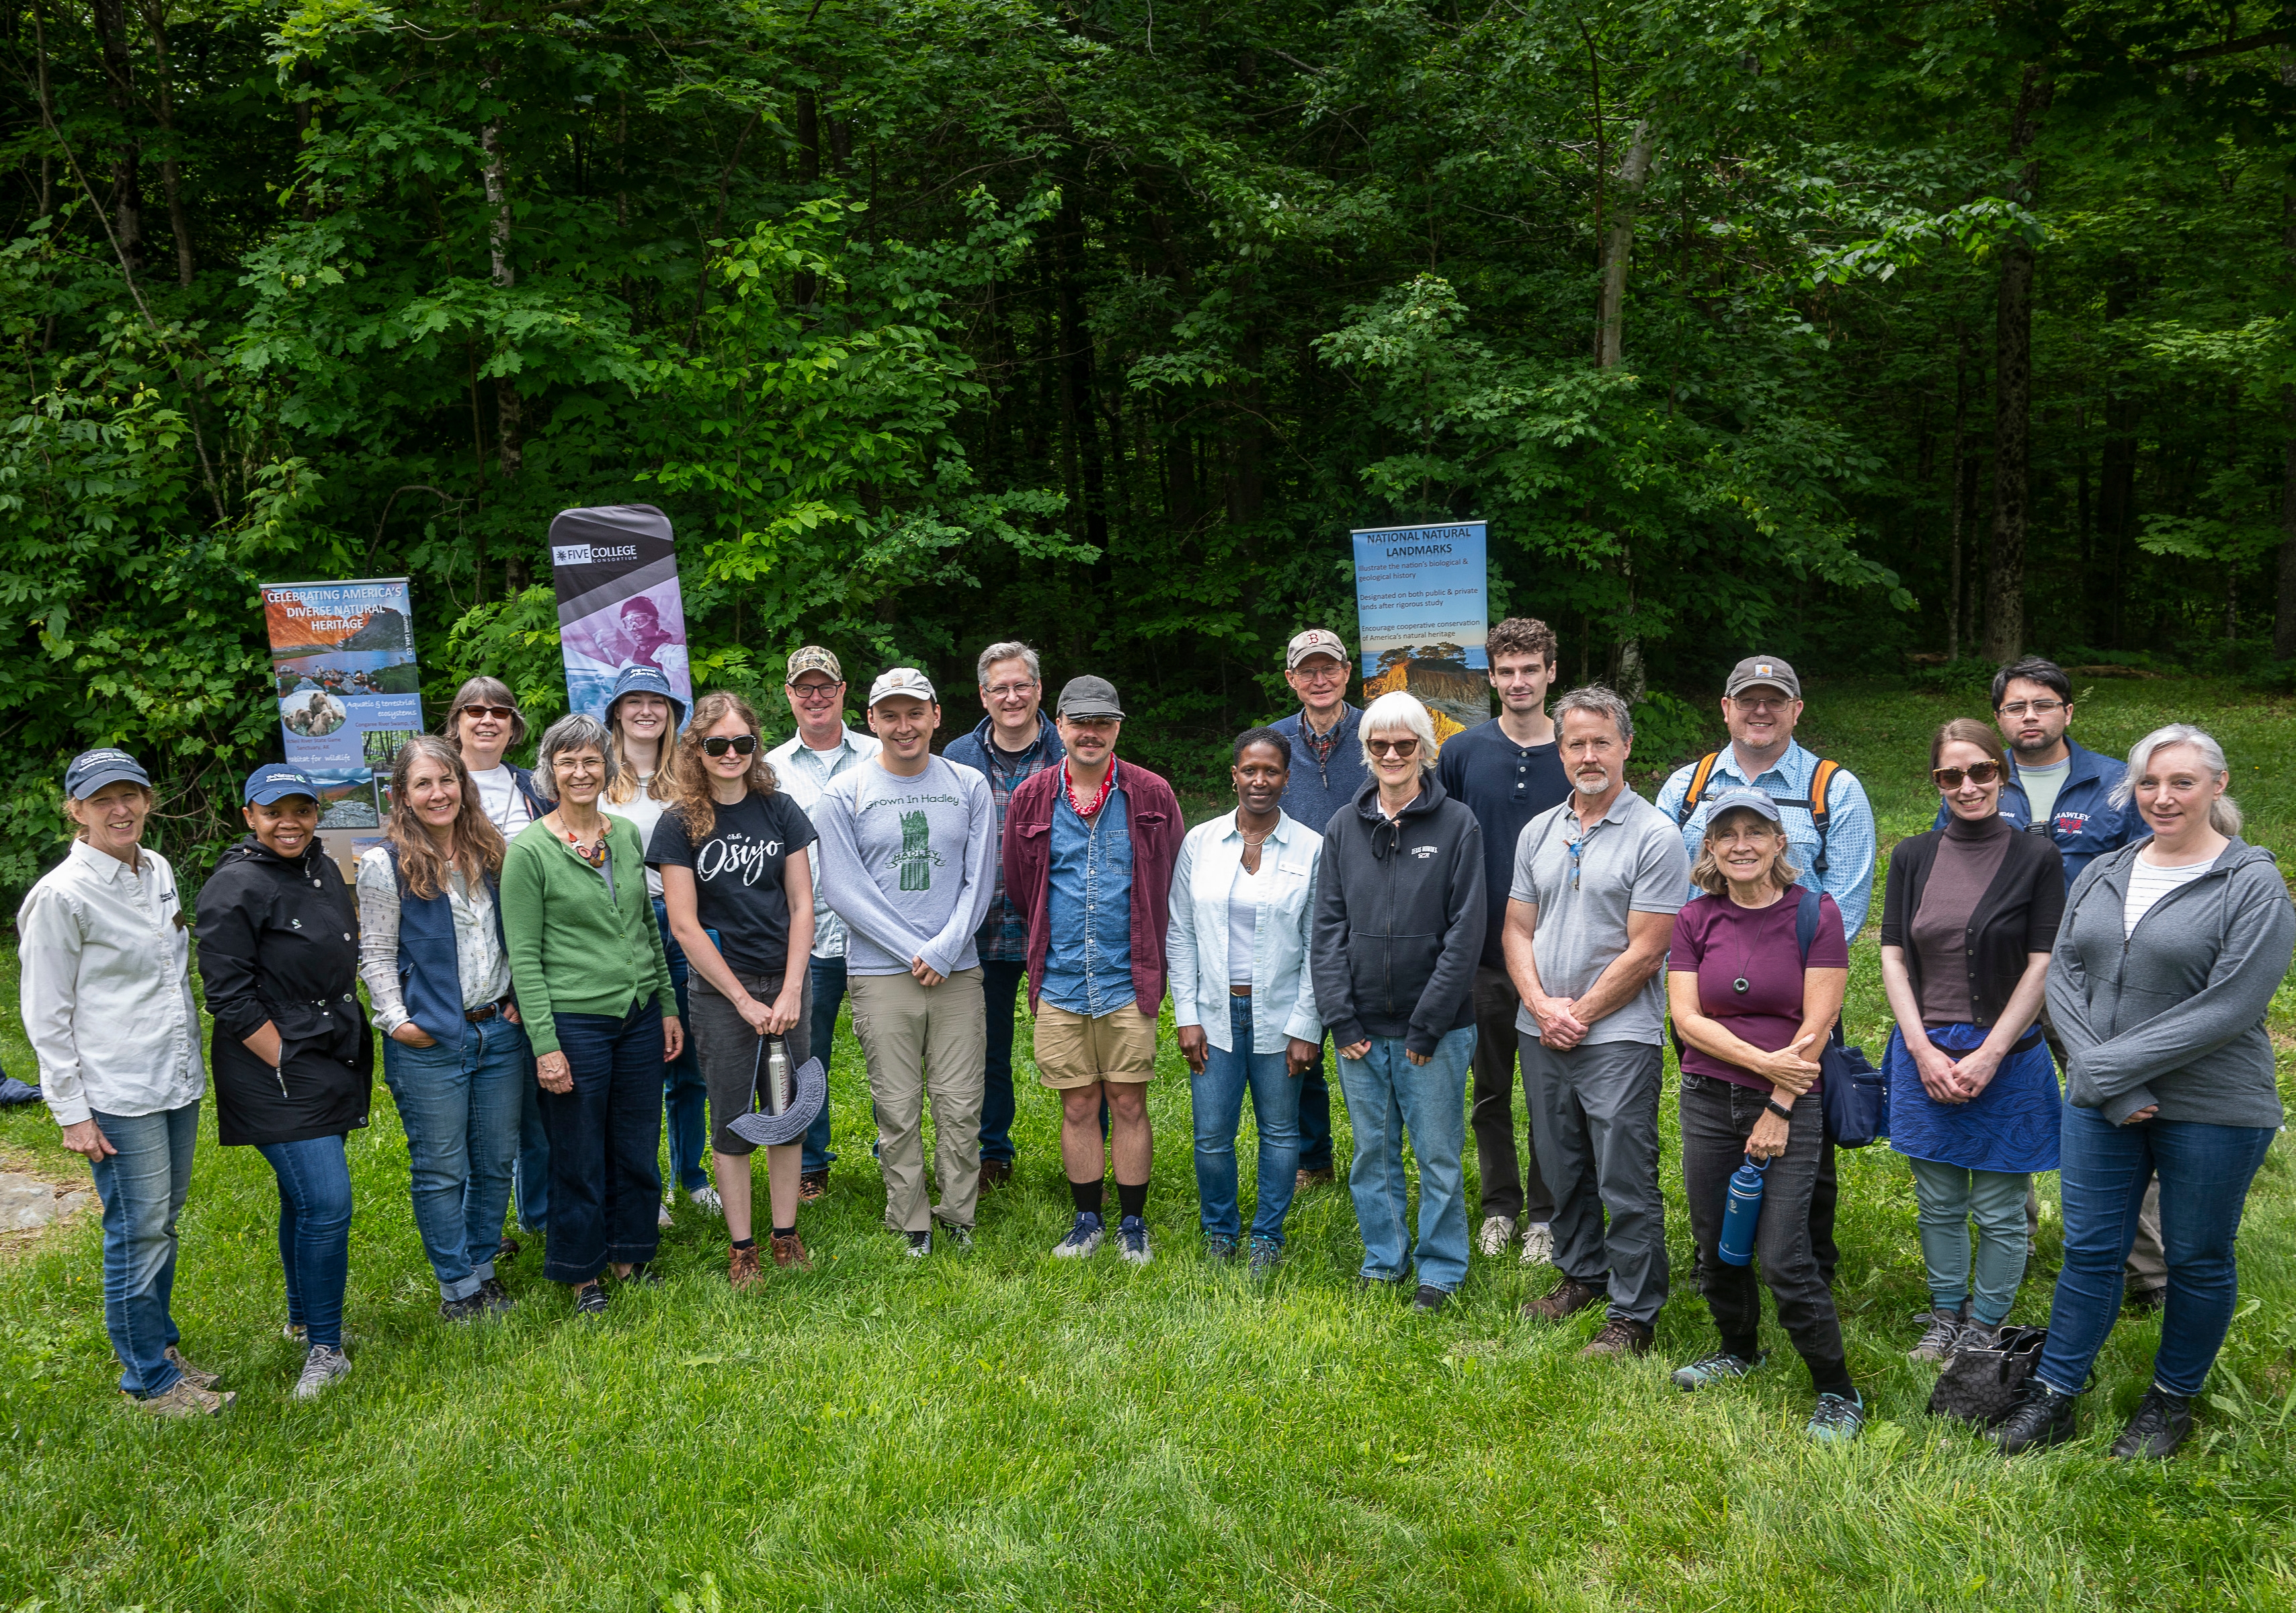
(342, 664)
(619, 604)
(1422, 614)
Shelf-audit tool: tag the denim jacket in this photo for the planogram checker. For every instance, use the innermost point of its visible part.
(1283, 993)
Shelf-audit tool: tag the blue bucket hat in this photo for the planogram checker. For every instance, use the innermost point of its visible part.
(92, 770)
(645, 680)
(275, 781)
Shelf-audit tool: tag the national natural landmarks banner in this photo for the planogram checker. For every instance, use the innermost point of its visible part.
(1423, 615)
(342, 666)
(616, 568)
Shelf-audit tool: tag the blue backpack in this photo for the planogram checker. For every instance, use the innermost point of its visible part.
(1855, 1094)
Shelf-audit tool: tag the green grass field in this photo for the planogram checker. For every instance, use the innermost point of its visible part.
(994, 1430)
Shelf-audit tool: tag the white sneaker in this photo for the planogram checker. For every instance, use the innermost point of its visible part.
(1497, 1234)
(662, 1219)
(706, 1198)
(1538, 1244)
(321, 1368)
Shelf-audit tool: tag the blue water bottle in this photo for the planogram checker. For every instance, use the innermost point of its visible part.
(1742, 1213)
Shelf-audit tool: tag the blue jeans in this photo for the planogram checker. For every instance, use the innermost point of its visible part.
(142, 1185)
(1217, 1096)
(1315, 1117)
(605, 1143)
(314, 1232)
(1000, 980)
(685, 1096)
(2204, 1172)
(828, 995)
(460, 1107)
(1386, 1094)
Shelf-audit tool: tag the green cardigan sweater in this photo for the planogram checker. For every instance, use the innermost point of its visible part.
(572, 949)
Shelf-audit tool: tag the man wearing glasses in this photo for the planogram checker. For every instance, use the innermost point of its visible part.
(822, 748)
(1013, 743)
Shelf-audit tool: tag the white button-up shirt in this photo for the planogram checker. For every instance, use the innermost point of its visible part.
(106, 980)
(1196, 949)
(803, 773)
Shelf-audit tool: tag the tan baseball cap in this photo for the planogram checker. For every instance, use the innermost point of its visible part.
(1314, 641)
(902, 680)
(1757, 669)
(812, 658)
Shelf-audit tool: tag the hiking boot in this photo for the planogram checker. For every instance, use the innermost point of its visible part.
(1084, 1239)
(1944, 1332)
(1132, 1241)
(1221, 1247)
(1620, 1336)
(183, 1398)
(199, 1376)
(994, 1173)
(1836, 1420)
(1266, 1255)
(590, 1300)
(1307, 1179)
(741, 1268)
(1567, 1298)
(470, 1308)
(916, 1246)
(789, 1253)
(2041, 1417)
(1719, 1367)
(507, 1251)
(2161, 1423)
(1430, 1299)
(498, 1298)
(1538, 1244)
(1495, 1238)
(812, 1185)
(321, 1369)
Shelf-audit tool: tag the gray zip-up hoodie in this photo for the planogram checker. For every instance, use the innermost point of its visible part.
(2172, 1013)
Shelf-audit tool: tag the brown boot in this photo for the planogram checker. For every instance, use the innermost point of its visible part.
(1618, 1337)
(1306, 1179)
(789, 1252)
(813, 1185)
(742, 1267)
(1567, 1298)
(994, 1173)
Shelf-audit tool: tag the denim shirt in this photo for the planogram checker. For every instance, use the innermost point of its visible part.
(1089, 966)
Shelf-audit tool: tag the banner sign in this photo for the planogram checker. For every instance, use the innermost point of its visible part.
(619, 605)
(349, 694)
(1423, 615)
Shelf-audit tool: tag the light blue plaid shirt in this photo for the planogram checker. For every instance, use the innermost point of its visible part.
(1850, 841)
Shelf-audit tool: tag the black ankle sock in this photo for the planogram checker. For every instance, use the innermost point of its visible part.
(745, 1243)
(1831, 1377)
(785, 1231)
(1132, 1198)
(1087, 1194)
(1745, 1346)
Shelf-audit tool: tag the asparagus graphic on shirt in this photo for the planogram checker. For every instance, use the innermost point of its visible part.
(917, 859)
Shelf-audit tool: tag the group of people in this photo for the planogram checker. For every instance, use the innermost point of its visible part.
(664, 910)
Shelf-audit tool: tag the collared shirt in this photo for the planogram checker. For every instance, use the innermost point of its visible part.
(803, 773)
(1203, 882)
(1585, 883)
(106, 983)
(1089, 966)
(1004, 933)
(481, 963)
(1850, 842)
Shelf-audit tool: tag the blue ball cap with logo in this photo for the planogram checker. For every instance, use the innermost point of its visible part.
(645, 680)
(92, 770)
(275, 781)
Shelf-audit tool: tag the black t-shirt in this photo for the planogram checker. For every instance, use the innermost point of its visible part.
(1505, 785)
(737, 875)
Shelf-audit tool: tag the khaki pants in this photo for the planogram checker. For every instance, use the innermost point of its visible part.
(924, 1042)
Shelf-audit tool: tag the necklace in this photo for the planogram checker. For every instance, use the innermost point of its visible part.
(1252, 845)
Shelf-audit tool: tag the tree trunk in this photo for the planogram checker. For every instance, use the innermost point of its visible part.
(1955, 485)
(1610, 319)
(110, 20)
(510, 443)
(2284, 618)
(2012, 411)
(1079, 412)
(171, 186)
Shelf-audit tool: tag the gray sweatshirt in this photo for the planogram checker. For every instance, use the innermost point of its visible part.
(2173, 1013)
(910, 864)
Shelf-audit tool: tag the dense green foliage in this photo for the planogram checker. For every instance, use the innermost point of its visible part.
(931, 320)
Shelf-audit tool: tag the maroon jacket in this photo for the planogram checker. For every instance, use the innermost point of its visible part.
(1153, 817)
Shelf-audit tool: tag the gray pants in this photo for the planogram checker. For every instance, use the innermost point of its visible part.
(920, 1042)
(729, 1052)
(1505, 1189)
(1595, 1124)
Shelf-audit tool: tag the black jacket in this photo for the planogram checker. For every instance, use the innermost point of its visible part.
(278, 941)
(1398, 920)
(2018, 914)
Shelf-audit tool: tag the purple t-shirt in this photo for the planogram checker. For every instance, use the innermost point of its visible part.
(1722, 943)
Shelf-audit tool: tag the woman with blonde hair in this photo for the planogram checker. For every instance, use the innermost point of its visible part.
(438, 974)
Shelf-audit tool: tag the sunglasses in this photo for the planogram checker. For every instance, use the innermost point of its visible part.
(1394, 748)
(1949, 778)
(500, 713)
(741, 744)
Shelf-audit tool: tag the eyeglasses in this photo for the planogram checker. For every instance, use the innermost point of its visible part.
(1320, 674)
(813, 694)
(1009, 691)
(500, 713)
(1398, 749)
(741, 744)
(2038, 707)
(1949, 778)
(1779, 704)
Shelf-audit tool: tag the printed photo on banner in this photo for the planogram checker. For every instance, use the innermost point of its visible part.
(1423, 613)
(344, 674)
(619, 603)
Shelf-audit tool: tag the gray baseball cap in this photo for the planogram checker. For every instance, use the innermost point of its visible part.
(1745, 797)
(1757, 669)
(1089, 696)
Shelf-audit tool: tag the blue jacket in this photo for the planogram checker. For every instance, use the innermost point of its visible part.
(536, 805)
(430, 979)
(1316, 794)
(2084, 824)
(972, 748)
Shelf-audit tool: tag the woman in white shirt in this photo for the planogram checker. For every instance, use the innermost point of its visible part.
(107, 1006)
(1242, 898)
(432, 953)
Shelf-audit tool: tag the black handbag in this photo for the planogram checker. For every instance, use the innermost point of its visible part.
(1981, 1385)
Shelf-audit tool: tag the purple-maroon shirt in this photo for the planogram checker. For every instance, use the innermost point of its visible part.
(1722, 943)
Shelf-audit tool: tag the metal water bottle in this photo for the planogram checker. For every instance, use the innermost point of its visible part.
(779, 1091)
(1742, 1212)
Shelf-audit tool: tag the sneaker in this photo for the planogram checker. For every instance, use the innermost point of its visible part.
(919, 1244)
(1307, 1179)
(1720, 1367)
(199, 1376)
(590, 1300)
(1084, 1239)
(789, 1253)
(1567, 1298)
(1620, 1336)
(2160, 1425)
(643, 1274)
(323, 1366)
(1496, 1237)
(1538, 1244)
(1976, 1335)
(2041, 1417)
(812, 1185)
(662, 1218)
(470, 1308)
(183, 1398)
(1944, 1332)
(706, 1199)
(1221, 1245)
(498, 1298)
(960, 1237)
(741, 1268)
(994, 1173)
(295, 1333)
(1132, 1239)
(1836, 1420)
(1266, 1255)
(1430, 1299)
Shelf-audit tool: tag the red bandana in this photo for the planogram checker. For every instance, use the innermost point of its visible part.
(1099, 799)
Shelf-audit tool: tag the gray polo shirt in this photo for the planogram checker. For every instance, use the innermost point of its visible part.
(1631, 861)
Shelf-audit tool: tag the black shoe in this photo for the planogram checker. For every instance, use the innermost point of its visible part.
(506, 1251)
(470, 1308)
(2041, 1417)
(2161, 1423)
(1430, 1299)
(496, 1297)
(590, 1300)
(2142, 1300)
(643, 1274)
(918, 1244)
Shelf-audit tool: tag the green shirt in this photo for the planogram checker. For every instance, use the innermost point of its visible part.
(575, 949)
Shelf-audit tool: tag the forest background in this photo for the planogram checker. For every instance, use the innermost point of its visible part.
(1895, 338)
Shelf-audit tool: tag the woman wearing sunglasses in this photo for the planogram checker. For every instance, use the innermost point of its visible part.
(1969, 915)
(739, 888)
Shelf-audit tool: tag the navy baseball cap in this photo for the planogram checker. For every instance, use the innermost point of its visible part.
(275, 781)
(645, 680)
(92, 770)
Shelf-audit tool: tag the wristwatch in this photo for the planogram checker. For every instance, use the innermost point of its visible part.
(1779, 1109)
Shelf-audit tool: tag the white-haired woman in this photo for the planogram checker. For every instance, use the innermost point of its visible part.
(594, 990)
(1398, 926)
(2168, 957)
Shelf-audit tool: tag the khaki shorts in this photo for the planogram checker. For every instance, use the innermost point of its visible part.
(1073, 1050)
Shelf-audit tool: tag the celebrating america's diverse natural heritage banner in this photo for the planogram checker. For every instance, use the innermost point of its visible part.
(343, 671)
(619, 604)
(1423, 610)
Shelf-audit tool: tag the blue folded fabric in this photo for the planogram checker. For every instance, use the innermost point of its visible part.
(13, 1092)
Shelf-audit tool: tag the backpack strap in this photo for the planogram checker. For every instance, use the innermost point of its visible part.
(1820, 815)
(1697, 791)
(1806, 918)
